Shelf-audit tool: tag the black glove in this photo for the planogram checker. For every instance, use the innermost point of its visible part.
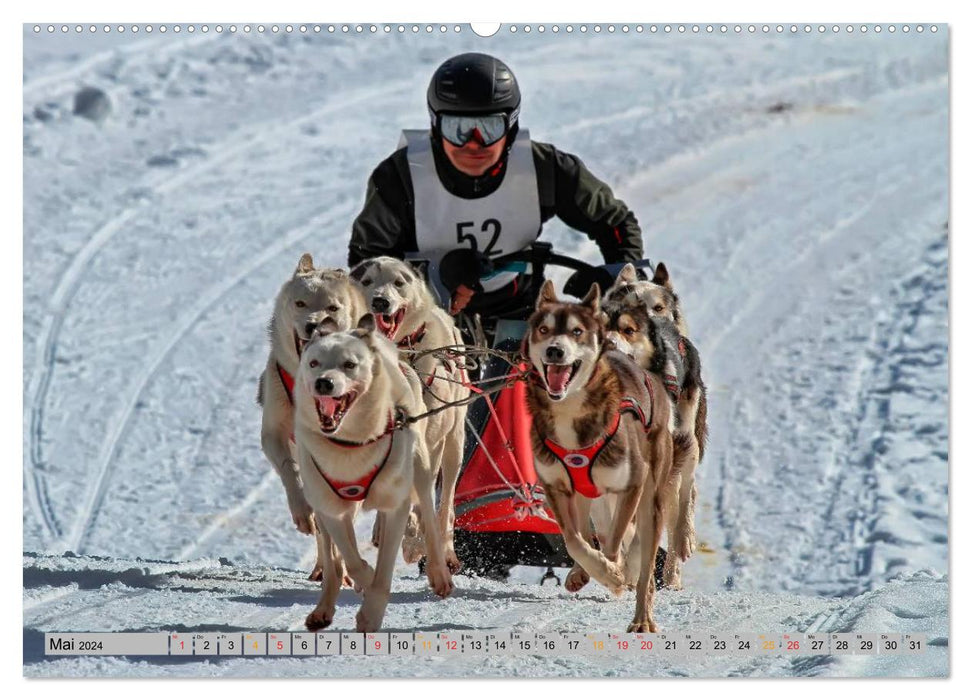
(464, 266)
(581, 281)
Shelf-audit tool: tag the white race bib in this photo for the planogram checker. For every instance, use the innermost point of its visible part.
(506, 221)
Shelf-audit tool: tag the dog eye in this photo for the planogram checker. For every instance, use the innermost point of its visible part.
(543, 330)
(332, 308)
(659, 307)
(399, 283)
(365, 283)
(314, 363)
(350, 365)
(628, 331)
(300, 304)
(577, 332)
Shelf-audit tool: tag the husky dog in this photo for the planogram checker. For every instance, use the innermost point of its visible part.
(308, 298)
(657, 296)
(406, 313)
(645, 318)
(601, 432)
(354, 449)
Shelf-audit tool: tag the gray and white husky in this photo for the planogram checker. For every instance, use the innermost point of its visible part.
(311, 296)
(406, 313)
(354, 450)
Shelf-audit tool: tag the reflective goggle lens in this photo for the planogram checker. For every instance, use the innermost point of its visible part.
(460, 129)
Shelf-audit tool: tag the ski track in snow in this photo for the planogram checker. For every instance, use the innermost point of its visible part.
(748, 206)
(74, 275)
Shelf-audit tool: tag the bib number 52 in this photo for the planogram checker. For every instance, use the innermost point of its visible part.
(489, 226)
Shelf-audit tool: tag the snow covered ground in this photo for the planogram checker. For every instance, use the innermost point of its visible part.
(796, 186)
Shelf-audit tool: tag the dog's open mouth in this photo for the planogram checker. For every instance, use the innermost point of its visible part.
(388, 324)
(558, 378)
(331, 410)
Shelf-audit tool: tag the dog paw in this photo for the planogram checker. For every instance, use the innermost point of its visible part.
(319, 619)
(303, 519)
(646, 626)
(371, 614)
(440, 580)
(615, 580)
(576, 579)
(686, 545)
(362, 580)
(412, 549)
(671, 576)
(452, 562)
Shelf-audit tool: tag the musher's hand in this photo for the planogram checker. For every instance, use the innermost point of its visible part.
(464, 267)
(460, 299)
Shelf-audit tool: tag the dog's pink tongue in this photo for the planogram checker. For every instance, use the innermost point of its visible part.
(558, 376)
(327, 406)
(386, 324)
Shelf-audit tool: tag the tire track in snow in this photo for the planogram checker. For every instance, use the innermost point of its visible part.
(96, 492)
(70, 281)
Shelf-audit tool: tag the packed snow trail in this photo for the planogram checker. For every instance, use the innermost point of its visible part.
(795, 186)
(66, 594)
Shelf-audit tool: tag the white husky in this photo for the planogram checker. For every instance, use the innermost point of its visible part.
(354, 448)
(310, 297)
(406, 313)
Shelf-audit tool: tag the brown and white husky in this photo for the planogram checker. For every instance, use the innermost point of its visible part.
(601, 439)
(645, 318)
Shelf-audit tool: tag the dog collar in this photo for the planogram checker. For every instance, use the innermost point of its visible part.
(392, 426)
(287, 380)
(672, 386)
(410, 341)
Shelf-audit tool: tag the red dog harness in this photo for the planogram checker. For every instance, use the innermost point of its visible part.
(287, 381)
(579, 461)
(410, 341)
(358, 490)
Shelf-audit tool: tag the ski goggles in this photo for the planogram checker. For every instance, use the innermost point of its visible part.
(459, 129)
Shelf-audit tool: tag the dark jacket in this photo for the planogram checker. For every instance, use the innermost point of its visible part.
(386, 224)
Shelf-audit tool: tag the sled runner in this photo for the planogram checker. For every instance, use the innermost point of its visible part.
(501, 516)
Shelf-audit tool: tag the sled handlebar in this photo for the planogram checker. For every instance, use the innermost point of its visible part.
(541, 254)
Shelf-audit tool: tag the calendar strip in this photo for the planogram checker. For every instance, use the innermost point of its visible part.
(684, 645)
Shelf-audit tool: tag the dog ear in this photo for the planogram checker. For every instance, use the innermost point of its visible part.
(366, 325)
(547, 295)
(306, 263)
(627, 274)
(661, 276)
(420, 268)
(325, 327)
(358, 272)
(592, 300)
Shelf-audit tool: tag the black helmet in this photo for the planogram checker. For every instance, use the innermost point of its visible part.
(474, 83)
